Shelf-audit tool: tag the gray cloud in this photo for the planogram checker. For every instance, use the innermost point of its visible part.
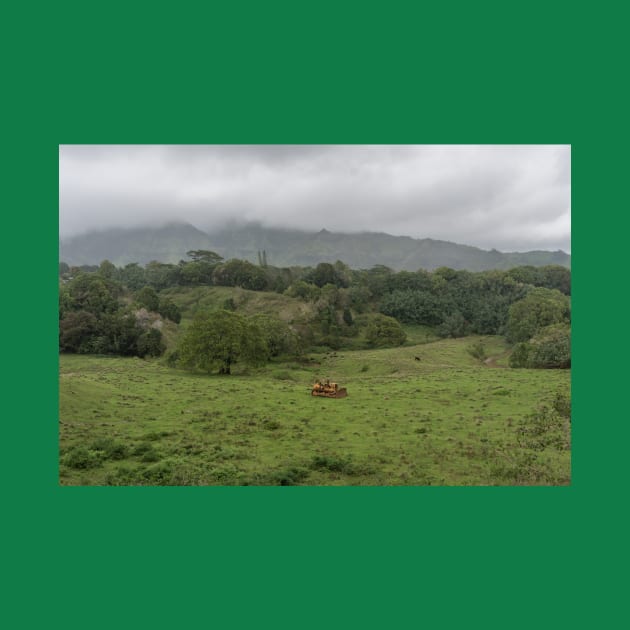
(510, 197)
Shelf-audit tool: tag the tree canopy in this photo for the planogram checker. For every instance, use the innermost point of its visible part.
(539, 308)
(217, 340)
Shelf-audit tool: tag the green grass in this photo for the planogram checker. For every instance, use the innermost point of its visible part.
(445, 419)
(201, 299)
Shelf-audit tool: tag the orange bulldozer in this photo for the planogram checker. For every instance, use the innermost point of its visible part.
(328, 389)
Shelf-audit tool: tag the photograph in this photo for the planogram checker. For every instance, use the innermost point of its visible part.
(314, 315)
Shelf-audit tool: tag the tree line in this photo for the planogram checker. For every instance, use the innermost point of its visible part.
(100, 306)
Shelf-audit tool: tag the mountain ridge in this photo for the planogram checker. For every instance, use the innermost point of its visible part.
(289, 247)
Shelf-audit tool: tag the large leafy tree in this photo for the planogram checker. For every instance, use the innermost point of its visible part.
(414, 307)
(204, 256)
(167, 308)
(304, 290)
(108, 270)
(539, 308)
(240, 273)
(376, 280)
(148, 298)
(133, 276)
(384, 331)
(216, 341)
(201, 269)
(76, 330)
(323, 274)
(93, 293)
(161, 275)
(557, 277)
(278, 336)
(549, 348)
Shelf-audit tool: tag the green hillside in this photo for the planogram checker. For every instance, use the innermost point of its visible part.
(192, 300)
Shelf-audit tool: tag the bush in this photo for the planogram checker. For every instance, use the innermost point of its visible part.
(146, 452)
(477, 350)
(562, 404)
(332, 463)
(144, 447)
(109, 448)
(76, 330)
(289, 477)
(543, 429)
(453, 326)
(81, 458)
(520, 356)
(169, 310)
(150, 456)
(148, 298)
(159, 474)
(150, 343)
(540, 308)
(384, 331)
(550, 348)
(172, 358)
(303, 290)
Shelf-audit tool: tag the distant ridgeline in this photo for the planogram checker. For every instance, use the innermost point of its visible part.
(287, 248)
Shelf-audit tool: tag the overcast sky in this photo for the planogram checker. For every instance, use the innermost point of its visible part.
(508, 197)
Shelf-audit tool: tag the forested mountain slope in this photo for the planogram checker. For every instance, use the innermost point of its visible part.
(285, 248)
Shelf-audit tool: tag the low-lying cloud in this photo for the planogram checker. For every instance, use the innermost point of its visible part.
(508, 197)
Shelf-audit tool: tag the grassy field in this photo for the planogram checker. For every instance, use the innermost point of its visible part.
(425, 414)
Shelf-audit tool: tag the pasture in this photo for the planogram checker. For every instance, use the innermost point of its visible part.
(427, 414)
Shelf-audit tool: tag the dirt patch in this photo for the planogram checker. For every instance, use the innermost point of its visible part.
(491, 362)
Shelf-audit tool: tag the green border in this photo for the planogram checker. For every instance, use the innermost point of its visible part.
(309, 557)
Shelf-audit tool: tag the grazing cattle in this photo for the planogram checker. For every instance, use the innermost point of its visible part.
(417, 358)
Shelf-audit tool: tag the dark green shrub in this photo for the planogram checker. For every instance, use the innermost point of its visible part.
(80, 458)
(150, 343)
(543, 429)
(562, 404)
(289, 477)
(454, 326)
(551, 347)
(477, 350)
(109, 448)
(169, 310)
(159, 474)
(540, 308)
(520, 356)
(172, 358)
(148, 298)
(150, 456)
(332, 463)
(384, 331)
(271, 425)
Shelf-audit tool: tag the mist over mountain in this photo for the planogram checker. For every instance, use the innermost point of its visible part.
(284, 248)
